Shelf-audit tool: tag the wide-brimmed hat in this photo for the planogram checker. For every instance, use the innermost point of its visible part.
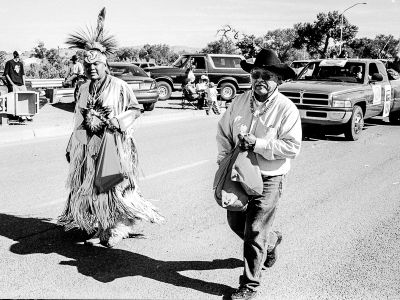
(268, 60)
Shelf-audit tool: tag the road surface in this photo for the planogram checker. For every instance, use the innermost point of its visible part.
(339, 215)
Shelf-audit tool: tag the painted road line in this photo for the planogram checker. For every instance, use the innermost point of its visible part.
(152, 176)
(174, 170)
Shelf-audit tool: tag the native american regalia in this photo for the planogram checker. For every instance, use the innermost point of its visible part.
(112, 213)
(116, 209)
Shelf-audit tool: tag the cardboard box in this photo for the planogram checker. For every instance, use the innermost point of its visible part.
(20, 103)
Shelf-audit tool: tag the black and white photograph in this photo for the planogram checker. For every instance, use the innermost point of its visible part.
(200, 149)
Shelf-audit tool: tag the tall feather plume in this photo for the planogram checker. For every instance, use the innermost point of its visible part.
(94, 38)
(100, 23)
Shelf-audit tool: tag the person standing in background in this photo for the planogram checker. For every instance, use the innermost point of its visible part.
(15, 76)
(74, 71)
(212, 102)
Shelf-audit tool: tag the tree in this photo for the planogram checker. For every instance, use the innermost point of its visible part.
(161, 53)
(39, 50)
(325, 29)
(382, 46)
(249, 45)
(363, 48)
(52, 55)
(281, 41)
(52, 65)
(221, 46)
(225, 44)
(3, 58)
(127, 53)
(386, 45)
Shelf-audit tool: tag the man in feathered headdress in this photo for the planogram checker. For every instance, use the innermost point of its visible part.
(105, 105)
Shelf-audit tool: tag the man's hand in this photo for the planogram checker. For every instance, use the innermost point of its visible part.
(113, 124)
(247, 141)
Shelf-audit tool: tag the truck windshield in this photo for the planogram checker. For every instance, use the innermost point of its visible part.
(334, 70)
(181, 61)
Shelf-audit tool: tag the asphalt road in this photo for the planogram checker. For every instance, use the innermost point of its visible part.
(339, 215)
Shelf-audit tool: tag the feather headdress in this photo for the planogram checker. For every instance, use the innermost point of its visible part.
(94, 38)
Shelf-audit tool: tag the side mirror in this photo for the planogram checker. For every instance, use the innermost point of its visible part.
(376, 77)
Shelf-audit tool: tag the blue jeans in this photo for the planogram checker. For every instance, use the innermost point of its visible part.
(254, 227)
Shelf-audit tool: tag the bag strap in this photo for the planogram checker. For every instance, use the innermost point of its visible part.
(253, 124)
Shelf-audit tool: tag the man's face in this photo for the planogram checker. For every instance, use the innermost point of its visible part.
(264, 82)
(95, 70)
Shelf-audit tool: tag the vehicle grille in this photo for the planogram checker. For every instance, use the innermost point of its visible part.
(308, 98)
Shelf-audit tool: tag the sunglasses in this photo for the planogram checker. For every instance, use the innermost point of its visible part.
(257, 73)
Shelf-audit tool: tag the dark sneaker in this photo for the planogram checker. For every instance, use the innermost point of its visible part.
(243, 293)
(272, 254)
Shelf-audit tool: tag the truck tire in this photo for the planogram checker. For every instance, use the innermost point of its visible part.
(149, 106)
(164, 90)
(394, 118)
(227, 91)
(355, 125)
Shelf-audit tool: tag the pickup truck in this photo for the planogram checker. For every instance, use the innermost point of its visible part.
(343, 93)
(222, 69)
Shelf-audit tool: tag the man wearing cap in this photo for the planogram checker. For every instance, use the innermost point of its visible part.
(14, 73)
(75, 69)
(275, 138)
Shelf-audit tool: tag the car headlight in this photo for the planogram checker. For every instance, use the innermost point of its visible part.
(341, 103)
(153, 85)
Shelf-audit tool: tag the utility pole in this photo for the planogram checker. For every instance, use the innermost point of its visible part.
(341, 24)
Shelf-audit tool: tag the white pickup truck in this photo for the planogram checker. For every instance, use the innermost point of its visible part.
(344, 92)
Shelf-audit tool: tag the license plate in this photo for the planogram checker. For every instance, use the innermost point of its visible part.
(135, 86)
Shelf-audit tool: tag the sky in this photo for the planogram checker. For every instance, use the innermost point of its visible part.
(188, 23)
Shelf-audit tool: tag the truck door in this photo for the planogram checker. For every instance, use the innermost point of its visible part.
(387, 90)
(200, 66)
(378, 91)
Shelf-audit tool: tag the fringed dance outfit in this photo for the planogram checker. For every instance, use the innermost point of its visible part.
(112, 213)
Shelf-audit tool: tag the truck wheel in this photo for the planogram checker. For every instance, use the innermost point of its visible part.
(164, 90)
(355, 125)
(394, 118)
(149, 106)
(228, 91)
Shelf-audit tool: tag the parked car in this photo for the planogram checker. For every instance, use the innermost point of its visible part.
(344, 92)
(222, 69)
(144, 65)
(144, 87)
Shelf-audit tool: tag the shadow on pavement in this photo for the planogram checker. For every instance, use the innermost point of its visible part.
(70, 107)
(374, 122)
(42, 102)
(320, 133)
(177, 105)
(103, 264)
